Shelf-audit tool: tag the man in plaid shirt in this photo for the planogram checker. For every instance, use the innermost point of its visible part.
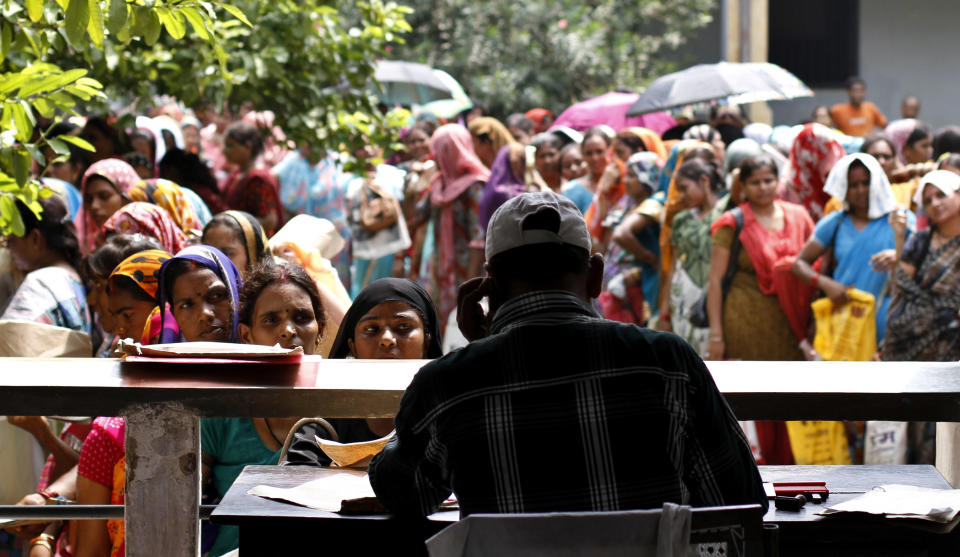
(552, 408)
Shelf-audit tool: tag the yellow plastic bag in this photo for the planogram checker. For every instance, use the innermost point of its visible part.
(847, 333)
(818, 442)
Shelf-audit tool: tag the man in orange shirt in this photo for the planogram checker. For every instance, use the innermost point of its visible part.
(857, 117)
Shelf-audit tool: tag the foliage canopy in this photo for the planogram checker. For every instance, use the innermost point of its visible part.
(513, 55)
(310, 61)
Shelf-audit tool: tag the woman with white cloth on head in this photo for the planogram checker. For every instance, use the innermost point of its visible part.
(861, 235)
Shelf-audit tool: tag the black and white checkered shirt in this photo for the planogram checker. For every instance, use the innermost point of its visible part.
(559, 410)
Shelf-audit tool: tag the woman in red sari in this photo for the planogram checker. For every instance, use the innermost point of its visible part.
(249, 188)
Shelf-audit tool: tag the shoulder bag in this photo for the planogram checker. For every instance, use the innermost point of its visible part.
(698, 313)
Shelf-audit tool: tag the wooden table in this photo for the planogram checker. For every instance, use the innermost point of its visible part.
(806, 533)
(269, 527)
(273, 526)
(276, 527)
(163, 403)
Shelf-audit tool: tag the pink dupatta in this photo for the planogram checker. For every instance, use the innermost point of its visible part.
(452, 149)
(773, 254)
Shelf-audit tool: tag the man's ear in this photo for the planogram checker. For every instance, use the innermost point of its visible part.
(246, 334)
(36, 240)
(595, 276)
(489, 274)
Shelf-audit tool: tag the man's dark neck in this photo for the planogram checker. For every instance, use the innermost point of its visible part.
(518, 289)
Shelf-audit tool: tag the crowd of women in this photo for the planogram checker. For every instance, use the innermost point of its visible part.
(726, 233)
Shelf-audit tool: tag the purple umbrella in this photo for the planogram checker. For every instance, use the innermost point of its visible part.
(611, 109)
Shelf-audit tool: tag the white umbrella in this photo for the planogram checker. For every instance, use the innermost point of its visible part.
(409, 83)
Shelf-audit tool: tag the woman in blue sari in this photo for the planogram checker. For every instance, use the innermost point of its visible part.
(862, 239)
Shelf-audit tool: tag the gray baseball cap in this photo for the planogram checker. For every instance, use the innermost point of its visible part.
(506, 228)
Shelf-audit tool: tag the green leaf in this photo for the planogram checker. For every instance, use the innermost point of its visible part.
(174, 25)
(77, 16)
(62, 100)
(89, 83)
(11, 216)
(95, 25)
(78, 142)
(43, 106)
(58, 146)
(196, 21)
(6, 37)
(151, 31)
(21, 166)
(118, 16)
(38, 85)
(237, 13)
(22, 121)
(35, 10)
(37, 154)
(9, 82)
(6, 121)
(52, 83)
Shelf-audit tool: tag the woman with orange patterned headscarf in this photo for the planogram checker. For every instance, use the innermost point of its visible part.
(101, 477)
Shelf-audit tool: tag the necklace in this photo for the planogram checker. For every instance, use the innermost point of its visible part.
(266, 422)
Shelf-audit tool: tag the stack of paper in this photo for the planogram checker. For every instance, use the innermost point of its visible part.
(224, 350)
(940, 506)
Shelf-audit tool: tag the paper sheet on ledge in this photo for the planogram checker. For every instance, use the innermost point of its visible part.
(904, 501)
(206, 350)
(324, 494)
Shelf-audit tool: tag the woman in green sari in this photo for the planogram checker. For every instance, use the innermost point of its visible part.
(702, 190)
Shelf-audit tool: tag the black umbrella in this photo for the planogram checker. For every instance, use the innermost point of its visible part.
(409, 83)
(736, 82)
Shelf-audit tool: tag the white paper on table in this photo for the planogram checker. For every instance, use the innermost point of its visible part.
(205, 350)
(904, 501)
(324, 494)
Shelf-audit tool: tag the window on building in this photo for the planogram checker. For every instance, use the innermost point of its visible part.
(816, 40)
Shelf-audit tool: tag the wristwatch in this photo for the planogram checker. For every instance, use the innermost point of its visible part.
(54, 498)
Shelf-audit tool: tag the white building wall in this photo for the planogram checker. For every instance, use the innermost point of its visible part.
(906, 48)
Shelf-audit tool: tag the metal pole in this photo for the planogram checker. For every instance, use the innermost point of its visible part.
(74, 512)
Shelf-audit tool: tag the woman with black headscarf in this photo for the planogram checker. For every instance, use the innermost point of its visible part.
(391, 318)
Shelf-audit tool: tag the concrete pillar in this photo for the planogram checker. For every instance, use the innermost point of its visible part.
(948, 451)
(746, 34)
(731, 18)
(759, 15)
(163, 481)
